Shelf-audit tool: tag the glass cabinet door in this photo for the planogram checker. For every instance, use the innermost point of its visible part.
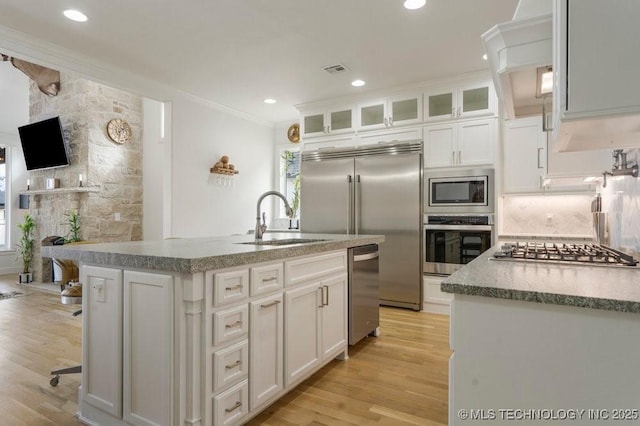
(341, 120)
(439, 106)
(475, 100)
(372, 115)
(313, 124)
(405, 110)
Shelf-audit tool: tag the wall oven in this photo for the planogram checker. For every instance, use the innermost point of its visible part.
(459, 191)
(452, 241)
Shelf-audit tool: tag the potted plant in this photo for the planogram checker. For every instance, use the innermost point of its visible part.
(73, 220)
(25, 248)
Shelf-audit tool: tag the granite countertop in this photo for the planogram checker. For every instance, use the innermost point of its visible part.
(190, 255)
(588, 286)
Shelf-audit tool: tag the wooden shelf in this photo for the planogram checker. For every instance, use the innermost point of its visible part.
(61, 190)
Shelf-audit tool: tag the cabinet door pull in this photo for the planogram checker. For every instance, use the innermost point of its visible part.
(266, 280)
(459, 112)
(386, 122)
(453, 112)
(390, 121)
(238, 363)
(321, 305)
(539, 151)
(235, 324)
(328, 129)
(235, 287)
(459, 157)
(453, 157)
(325, 287)
(268, 305)
(237, 405)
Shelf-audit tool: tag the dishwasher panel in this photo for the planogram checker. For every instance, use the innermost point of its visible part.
(364, 293)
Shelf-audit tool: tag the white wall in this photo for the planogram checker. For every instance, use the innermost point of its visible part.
(14, 112)
(202, 134)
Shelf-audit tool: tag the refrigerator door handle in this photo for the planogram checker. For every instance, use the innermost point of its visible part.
(350, 203)
(357, 205)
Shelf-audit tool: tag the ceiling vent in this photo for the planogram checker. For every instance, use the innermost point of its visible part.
(335, 69)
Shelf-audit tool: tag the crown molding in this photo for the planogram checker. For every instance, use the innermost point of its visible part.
(38, 51)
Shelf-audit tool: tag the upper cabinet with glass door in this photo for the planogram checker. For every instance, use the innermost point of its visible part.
(389, 112)
(325, 122)
(463, 101)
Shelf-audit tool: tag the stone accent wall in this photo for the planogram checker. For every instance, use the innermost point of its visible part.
(84, 108)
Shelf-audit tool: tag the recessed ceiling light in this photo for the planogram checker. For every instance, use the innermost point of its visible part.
(269, 101)
(484, 56)
(358, 83)
(414, 4)
(75, 15)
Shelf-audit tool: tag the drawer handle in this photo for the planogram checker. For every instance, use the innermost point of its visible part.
(235, 324)
(238, 363)
(235, 287)
(237, 405)
(266, 280)
(275, 302)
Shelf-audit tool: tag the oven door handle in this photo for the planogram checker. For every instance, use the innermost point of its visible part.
(459, 227)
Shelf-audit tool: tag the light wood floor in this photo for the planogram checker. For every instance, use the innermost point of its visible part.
(397, 378)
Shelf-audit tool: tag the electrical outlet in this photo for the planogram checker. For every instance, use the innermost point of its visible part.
(117, 215)
(100, 290)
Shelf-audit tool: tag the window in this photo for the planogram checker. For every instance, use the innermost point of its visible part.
(290, 180)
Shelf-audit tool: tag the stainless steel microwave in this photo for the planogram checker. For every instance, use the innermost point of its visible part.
(459, 191)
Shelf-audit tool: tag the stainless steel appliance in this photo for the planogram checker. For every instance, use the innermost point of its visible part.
(364, 294)
(459, 191)
(371, 189)
(451, 241)
(572, 253)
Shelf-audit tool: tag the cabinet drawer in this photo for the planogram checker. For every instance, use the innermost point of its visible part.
(309, 268)
(265, 279)
(230, 365)
(229, 287)
(230, 324)
(230, 406)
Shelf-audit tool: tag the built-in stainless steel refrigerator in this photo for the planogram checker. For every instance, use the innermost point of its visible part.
(371, 189)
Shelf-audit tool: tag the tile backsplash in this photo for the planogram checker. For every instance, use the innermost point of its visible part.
(551, 215)
(621, 199)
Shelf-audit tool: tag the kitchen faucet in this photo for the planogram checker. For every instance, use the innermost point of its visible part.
(620, 167)
(261, 228)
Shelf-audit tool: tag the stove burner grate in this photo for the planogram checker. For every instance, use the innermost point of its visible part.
(565, 252)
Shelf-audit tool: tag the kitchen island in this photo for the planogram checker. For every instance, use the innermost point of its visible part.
(206, 331)
(535, 341)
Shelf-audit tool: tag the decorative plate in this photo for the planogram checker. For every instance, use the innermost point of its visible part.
(119, 130)
(293, 133)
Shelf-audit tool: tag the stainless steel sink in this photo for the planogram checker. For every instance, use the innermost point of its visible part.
(283, 242)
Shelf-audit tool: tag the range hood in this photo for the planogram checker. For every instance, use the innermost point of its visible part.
(515, 50)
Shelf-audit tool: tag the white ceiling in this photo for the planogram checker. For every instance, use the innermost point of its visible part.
(239, 52)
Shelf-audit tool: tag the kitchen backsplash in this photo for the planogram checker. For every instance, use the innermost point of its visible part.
(621, 199)
(554, 215)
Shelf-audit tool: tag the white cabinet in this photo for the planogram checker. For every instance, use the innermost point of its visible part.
(266, 339)
(340, 141)
(463, 101)
(147, 348)
(302, 331)
(333, 316)
(529, 166)
(525, 153)
(596, 100)
(390, 135)
(326, 121)
(128, 345)
(460, 143)
(435, 300)
(102, 339)
(388, 112)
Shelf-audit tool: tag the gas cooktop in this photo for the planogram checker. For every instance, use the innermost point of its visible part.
(592, 254)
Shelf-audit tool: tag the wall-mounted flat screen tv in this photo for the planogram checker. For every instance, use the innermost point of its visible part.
(43, 144)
